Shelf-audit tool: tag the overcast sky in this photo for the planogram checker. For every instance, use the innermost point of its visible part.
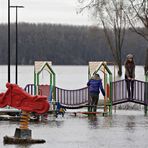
(45, 11)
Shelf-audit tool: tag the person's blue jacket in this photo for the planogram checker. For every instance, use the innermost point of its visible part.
(95, 86)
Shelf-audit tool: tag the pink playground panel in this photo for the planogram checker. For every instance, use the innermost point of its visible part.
(44, 90)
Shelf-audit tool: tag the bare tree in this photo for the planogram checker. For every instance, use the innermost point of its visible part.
(111, 15)
(137, 15)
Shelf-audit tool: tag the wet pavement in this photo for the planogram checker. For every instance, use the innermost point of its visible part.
(125, 129)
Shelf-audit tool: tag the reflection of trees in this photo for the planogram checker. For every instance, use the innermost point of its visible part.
(130, 124)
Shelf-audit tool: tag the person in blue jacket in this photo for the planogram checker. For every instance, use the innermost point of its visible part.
(94, 87)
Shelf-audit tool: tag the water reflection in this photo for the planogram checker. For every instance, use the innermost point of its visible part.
(56, 123)
(93, 121)
(99, 121)
(130, 123)
(23, 146)
(107, 122)
(123, 130)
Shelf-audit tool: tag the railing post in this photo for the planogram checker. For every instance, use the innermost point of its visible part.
(146, 93)
(111, 94)
(146, 76)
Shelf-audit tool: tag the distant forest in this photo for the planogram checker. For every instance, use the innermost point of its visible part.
(65, 45)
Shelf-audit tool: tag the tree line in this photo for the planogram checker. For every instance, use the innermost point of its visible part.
(66, 45)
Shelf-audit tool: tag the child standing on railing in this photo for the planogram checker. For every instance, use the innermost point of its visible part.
(130, 74)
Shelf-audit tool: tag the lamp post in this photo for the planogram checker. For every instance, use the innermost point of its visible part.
(8, 40)
(16, 39)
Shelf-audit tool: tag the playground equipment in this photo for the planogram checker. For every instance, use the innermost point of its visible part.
(39, 67)
(146, 76)
(47, 89)
(140, 93)
(70, 99)
(146, 92)
(79, 98)
(16, 97)
(96, 67)
(116, 92)
(120, 94)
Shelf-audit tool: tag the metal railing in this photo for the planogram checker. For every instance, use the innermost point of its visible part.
(130, 91)
(30, 88)
(72, 97)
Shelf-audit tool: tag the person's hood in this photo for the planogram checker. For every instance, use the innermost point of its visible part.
(129, 56)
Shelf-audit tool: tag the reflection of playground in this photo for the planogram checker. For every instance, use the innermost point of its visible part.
(74, 99)
(130, 125)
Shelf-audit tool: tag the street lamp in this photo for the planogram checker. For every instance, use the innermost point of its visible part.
(16, 39)
(8, 40)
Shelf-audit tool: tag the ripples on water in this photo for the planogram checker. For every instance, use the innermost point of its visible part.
(125, 129)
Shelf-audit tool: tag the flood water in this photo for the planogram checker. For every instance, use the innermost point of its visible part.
(124, 129)
(68, 77)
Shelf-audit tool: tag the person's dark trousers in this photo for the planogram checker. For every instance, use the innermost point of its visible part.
(130, 88)
(94, 101)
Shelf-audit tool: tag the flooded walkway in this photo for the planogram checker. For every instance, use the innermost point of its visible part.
(125, 129)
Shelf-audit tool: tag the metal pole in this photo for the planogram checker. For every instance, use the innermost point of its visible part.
(8, 40)
(16, 51)
(16, 39)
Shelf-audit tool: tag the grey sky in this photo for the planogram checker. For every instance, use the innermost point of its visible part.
(45, 11)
